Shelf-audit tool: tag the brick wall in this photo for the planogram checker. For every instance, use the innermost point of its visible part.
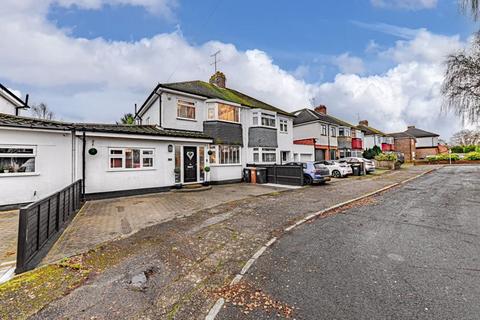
(422, 153)
(407, 147)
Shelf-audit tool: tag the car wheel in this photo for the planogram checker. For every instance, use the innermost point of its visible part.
(336, 174)
(307, 179)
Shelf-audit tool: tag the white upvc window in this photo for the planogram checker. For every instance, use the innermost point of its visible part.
(333, 131)
(264, 155)
(130, 158)
(224, 154)
(186, 110)
(283, 125)
(344, 132)
(324, 130)
(264, 119)
(223, 112)
(17, 159)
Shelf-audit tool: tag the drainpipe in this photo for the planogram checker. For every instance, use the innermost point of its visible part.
(328, 143)
(84, 140)
(159, 107)
(74, 155)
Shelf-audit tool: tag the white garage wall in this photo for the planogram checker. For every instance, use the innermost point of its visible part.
(53, 165)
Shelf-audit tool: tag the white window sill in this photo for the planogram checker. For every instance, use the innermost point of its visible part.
(260, 126)
(131, 170)
(19, 174)
(186, 119)
(227, 121)
(226, 165)
(284, 132)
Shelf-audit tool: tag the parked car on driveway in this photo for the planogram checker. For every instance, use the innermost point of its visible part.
(337, 169)
(313, 171)
(369, 164)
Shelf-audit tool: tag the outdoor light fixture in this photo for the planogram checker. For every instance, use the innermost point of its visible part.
(170, 148)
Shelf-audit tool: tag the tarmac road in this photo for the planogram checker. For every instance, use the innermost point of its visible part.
(414, 253)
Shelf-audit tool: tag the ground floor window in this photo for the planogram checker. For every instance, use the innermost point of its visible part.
(130, 158)
(285, 156)
(17, 159)
(333, 154)
(357, 153)
(224, 154)
(264, 155)
(345, 153)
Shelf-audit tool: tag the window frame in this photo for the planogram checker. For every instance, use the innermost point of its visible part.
(189, 104)
(333, 131)
(122, 156)
(324, 129)
(32, 155)
(283, 123)
(260, 115)
(216, 158)
(213, 112)
(259, 153)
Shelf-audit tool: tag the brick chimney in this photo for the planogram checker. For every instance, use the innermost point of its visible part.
(363, 123)
(321, 109)
(218, 79)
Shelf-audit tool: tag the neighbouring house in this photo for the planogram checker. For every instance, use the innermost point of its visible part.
(10, 103)
(320, 131)
(374, 137)
(417, 143)
(244, 130)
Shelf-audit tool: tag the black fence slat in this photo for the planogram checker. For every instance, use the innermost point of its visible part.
(42, 222)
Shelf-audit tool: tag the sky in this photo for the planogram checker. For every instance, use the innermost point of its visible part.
(379, 60)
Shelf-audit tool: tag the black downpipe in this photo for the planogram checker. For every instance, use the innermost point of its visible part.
(84, 140)
(159, 108)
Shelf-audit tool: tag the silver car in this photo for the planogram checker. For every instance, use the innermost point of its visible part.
(369, 164)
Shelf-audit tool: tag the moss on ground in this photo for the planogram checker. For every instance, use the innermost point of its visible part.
(28, 293)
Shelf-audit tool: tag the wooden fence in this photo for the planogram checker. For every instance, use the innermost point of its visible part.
(283, 174)
(42, 222)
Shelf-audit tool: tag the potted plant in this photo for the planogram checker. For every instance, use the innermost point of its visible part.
(206, 170)
(178, 185)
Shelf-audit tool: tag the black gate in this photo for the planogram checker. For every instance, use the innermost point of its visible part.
(42, 222)
(282, 174)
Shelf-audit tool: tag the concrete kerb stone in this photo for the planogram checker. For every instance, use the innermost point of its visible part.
(220, 302)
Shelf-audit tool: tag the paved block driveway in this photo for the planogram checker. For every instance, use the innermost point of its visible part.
(104, 220)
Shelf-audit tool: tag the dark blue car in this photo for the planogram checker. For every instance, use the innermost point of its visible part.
(313, 172)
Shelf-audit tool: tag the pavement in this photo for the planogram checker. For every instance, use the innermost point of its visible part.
(104, 220)
(184, 261)
(8, 242)
(411, 253)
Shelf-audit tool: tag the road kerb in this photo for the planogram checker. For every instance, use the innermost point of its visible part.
(220, 302)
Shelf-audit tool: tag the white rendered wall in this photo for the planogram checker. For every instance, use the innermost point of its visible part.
(169, 113)
(6, 106)
(53, 165)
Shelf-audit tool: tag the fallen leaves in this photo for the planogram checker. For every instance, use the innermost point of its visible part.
(244, 296)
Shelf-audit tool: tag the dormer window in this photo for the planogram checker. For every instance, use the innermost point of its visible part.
(186, 110)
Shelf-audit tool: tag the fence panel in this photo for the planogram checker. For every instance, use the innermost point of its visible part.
(42, 222)
(282, 174)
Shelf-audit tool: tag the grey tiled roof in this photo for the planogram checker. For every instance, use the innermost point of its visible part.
(419, 133)
(205, 89)
(7, 120)
(309, 115)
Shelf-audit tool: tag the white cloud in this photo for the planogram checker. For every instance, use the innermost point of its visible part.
(98, 80)
(405, 4)
(349, 64)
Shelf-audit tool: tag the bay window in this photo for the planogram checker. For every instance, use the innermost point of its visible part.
(333, 131)
(186, 109)
(265, 119)
(267, 155)
(223, 112)
(17, 159)
(130, 158)
(224, 154)
(324, 130)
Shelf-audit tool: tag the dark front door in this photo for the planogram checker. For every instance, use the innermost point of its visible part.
(189, 164)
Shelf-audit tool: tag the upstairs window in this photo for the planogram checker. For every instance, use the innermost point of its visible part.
(264, 119)
(17, 159)
(186, 110)
(333, 131)
(344, 132)
(283, 126)
(228, 113)
(324, 130)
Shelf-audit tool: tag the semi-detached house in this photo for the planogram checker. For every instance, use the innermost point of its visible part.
(182, 128)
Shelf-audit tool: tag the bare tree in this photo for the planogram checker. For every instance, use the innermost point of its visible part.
(41, 111)
(466, 138)
(471, 7)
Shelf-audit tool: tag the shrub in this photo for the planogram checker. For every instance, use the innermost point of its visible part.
(444, 157)
(468, 149)
(457, 149)
(372, 152)
(386, 157)
(473, 156)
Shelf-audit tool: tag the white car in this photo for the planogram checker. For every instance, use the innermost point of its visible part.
(337, 170)
(369, 164)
